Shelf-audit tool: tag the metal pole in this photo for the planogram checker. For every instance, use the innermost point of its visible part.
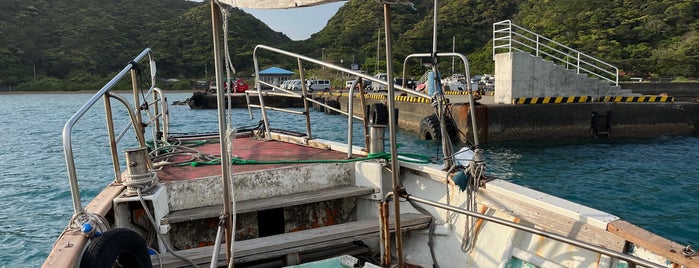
(453, 50)
(112, 138)
(225, 160)
(350, 111)
(304, 93)
(395, 168)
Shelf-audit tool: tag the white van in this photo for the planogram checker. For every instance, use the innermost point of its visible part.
(296, 85)
(379, 87)
(320, 85)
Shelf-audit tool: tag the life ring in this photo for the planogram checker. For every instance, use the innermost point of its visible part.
(430, 128)
(332, 103)
(378, 114)
(121, 245)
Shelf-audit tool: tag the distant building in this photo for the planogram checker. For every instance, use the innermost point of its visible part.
(275, 75)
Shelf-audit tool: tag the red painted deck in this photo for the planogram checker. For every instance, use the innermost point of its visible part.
(246, 148)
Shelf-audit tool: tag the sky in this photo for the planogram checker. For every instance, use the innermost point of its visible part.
(297, 23)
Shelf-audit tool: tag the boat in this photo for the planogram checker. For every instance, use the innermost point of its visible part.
(269, 197)
(455, 82)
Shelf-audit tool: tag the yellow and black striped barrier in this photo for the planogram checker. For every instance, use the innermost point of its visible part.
(375, 96)
(412, 99)
(546, 100)
(644, 98)
(454, 92)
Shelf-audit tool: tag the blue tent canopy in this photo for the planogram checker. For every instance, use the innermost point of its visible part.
(275, 71)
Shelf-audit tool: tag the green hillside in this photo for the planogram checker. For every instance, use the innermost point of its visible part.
(79, 44)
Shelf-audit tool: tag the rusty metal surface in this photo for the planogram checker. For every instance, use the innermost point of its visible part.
(247, 148)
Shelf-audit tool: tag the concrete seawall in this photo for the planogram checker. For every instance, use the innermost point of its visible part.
(507, 122)
(687, 91)
(575, 121)
(503, 122)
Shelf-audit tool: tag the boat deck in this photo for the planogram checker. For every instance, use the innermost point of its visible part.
(248, 155)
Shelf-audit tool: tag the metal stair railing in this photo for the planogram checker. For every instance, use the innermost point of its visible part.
(508, 37)
(156, 109)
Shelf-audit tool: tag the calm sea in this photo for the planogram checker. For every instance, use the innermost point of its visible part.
(652, 183)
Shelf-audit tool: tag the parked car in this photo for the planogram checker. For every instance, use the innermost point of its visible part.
(296, 85)
(376, 87)
(240, 85)
(321, 85)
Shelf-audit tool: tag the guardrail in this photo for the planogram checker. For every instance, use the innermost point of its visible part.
(304, 90)
(509, 37)
(159, 119)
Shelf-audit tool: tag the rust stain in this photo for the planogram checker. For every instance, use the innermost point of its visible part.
(139, 213)
(300, 228)
(539, 244)
(314, 220)
(479, 222)
(205, 244)
(331, 217)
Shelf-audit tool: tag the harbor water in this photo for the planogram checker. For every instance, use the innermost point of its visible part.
(652, 183)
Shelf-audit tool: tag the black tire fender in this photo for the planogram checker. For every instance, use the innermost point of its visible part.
(120, 245)
(430, 128)
(334, 104)
(378, 114)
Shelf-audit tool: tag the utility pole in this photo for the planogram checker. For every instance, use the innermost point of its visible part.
(322, 58)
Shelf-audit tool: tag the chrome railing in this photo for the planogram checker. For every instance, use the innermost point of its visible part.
(508, 37)
(304, 90)
(159, 117)
(633, 260)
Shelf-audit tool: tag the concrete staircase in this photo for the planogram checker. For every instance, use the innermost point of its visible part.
(528, 65)
(522, 75)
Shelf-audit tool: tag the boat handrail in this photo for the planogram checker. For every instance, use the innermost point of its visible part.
(508, 36)
(594, 248)
(304, 59)
(134, 115)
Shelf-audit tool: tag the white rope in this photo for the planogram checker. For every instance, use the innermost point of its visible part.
(230, 132)
(157, 231)
(139, 182)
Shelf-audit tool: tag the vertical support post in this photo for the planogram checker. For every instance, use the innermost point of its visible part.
(362, 103)
(376, 136)
(225, 160)
(112, 138)
(395, 168)
(304, 92)
(138, 124)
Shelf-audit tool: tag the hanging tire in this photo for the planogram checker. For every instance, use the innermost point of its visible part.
(332, 103)
(430, 128)
(318, 107)
(378, 114)
(119, 246)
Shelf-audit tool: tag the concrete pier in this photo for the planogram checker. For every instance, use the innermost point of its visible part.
(554, 121)
(508, 122)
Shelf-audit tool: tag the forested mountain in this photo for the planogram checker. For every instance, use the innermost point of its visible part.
(82, 42)
(643, 38)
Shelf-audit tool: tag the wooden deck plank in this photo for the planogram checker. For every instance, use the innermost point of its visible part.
(68, 247)
(652, 242)
(270, 203)
(279, 245)
(552, 222)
